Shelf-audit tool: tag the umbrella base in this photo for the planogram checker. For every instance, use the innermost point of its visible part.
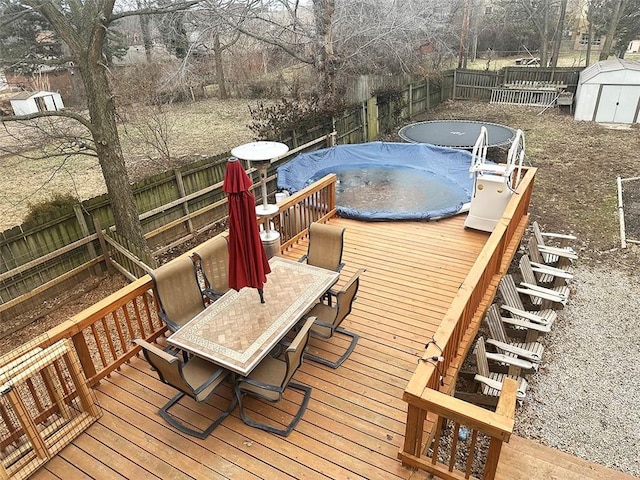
(270, 242)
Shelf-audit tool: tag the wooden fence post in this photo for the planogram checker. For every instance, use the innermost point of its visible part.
(372, 118)
(185, 204)
(84, 229)
(103, 245)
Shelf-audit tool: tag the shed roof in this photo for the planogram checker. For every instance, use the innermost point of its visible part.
(28, 95)
(610, 65)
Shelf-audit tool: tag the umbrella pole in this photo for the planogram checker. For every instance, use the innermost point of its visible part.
(261, 293)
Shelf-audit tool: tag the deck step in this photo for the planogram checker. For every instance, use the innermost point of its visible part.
(523, 459)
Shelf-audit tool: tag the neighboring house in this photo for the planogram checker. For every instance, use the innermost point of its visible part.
(24, 103)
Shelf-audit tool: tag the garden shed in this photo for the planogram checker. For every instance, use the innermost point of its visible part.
(24, 103)
(609, 92)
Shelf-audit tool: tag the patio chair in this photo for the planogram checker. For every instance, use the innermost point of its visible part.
(330, 317)
(269, 380)
(213, 258)
(555, 297)
(178, 292)
(325, 246)
(546, 274)
(196, 378)
(529, 350)
(488, 384)
(556, 255)
(512, 303)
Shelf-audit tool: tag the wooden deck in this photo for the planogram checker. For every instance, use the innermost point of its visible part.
(355, 422)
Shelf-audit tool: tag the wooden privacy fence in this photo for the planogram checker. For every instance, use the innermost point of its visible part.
(479, 85)
(41, 261)
(64, 263)
(456, 332)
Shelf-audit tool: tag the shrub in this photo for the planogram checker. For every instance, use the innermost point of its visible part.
(286, 115)
(45, 210)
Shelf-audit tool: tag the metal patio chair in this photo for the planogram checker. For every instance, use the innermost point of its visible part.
(178, 292)
(270, 379)
(330, 317)
(213, 258)
(326, 243)
(196, 377)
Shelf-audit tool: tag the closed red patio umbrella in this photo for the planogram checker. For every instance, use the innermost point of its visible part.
(248, 263)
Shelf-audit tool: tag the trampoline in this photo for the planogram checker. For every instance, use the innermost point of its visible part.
(387, 181)
(456, 133)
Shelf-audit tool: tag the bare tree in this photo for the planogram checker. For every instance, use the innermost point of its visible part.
(82, 26)
(612, 27)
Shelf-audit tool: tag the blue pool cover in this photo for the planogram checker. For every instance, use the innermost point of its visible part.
(431, 182)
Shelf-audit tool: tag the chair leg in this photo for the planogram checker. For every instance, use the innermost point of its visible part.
(345, 355)
(278, 431)
(202, 434)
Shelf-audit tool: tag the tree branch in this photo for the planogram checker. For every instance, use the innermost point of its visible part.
(178, 7)
(60, 113)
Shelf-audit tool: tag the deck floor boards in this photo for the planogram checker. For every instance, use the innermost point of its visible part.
(354, 425)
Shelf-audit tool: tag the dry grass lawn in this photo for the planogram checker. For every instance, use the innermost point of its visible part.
(194, 130)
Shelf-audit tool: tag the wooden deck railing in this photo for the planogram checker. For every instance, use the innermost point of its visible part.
(316, 203)
(464, 432)
(457, 330)
(102, 334)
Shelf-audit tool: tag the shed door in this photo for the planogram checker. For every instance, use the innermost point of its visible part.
(617, 103)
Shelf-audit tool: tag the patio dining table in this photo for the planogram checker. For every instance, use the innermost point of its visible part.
(237, 331)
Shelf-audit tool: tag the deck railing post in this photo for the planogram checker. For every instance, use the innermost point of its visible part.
(414, 430)
(82, 349)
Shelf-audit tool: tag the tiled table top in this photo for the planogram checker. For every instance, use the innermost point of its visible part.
(238, 331)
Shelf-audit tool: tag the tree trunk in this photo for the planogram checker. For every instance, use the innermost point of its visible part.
(217, 55)
(146, 36)
(558, 41)
(105, 134)
(544, 44)
(325, 59)
(589, 43)
(611, 31)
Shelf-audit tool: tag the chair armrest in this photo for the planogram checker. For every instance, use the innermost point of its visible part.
(556, 272)
(521, 352)
(561, 236)
(526, 324)
(543, 295)
(212, 294)
(531, 316)
(514, 361)
(173, 326)
(520, 393)
(544, 290)
(560, 252)
(155, 350)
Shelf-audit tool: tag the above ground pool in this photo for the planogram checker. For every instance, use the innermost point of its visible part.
(387, 181)
(456, 133)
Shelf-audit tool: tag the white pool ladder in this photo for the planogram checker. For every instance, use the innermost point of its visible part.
(493, 184)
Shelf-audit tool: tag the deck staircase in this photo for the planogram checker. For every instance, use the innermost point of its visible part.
(523, 459)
